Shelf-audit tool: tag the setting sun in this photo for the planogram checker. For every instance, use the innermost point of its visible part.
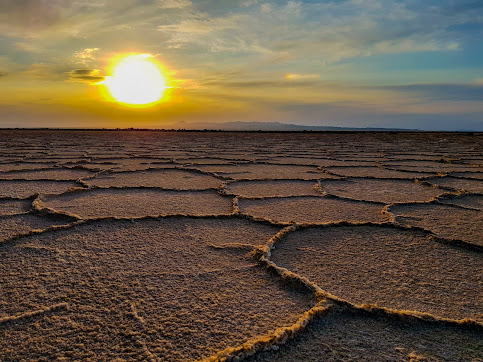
(136, 80)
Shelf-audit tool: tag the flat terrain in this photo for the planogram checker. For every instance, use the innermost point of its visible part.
(183, 246)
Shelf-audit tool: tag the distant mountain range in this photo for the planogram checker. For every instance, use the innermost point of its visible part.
(249, 127)
(271, 126)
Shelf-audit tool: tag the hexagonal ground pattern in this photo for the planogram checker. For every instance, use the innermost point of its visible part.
(179, 246)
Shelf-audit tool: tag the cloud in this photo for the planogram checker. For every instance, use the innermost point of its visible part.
(39, 71)
(305, 30)
(174, 4)
(84, 56)
(85, 75)
(441, 91)
(328, 31)
(295, 76)
(257, 84)
(3, 74)
(28, 16)
(260, 53)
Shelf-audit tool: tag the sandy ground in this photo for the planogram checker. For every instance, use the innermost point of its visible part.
(173, 246)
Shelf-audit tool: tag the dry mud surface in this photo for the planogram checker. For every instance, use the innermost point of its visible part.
(183, 246)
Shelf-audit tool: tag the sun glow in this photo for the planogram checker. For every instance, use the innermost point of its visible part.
(136, 80)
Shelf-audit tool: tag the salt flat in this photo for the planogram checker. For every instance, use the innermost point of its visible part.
(175, 246)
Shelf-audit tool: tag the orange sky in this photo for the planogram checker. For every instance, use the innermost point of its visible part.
(338, 63)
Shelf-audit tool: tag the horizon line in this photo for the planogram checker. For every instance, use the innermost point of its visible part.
(336, 130)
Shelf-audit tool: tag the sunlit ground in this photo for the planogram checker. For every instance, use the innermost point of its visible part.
(188, 246)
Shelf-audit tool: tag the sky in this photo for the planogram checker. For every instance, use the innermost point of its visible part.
(348, 63)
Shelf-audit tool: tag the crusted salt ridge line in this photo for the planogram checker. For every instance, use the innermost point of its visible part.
(80, 222)
(215, 157)
(312, 165)
(84, 180)
(478, 170)
(425, 175)
(246, 197)
(50, 168)
(142, 187)
(464, 177)
(157, 169)
(34, 313)
(433, 201)
(272, 163)
(281, 335)
(82, 167)
(323, 195)
(386, 216)
(78, 180)
(10, 198)
(451, 196)
(242, 246)
(436, 199)
(318, 188)
(222, 189)
(12, 239)
(326, 302)
(195, 168)
(315, 178)
(10, 216)
(39, 206)
(423, 181)
(320, 293)
(430, 169)
(52, 211)
(454, 190)
(26, 169)
(192, 164)
(417, 180)
(457, 243)
(84, 183)
(279, 197)
(289, 223)
(203, 172)
(449, 192)
(128, 157)
(236, 206)
(270, 341)
(448, 241)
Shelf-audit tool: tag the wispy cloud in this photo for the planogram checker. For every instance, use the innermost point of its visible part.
(441, 91)
(296, 76)
(174, 4)
(86, 55)
(85, 75)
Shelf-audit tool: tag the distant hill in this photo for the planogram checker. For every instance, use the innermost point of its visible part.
(271, 126)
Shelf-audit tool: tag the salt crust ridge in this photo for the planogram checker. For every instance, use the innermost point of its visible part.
(326, 301)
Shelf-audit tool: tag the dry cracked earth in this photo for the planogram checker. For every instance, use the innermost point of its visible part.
(175, 246)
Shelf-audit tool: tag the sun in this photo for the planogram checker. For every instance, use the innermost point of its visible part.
(136, 80)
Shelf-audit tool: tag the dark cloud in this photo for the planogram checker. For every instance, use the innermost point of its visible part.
(2, 74)
(86, 75)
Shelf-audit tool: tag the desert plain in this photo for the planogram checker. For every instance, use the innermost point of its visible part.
(185, 246)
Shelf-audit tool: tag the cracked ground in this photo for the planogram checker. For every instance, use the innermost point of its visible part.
(184, 246)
